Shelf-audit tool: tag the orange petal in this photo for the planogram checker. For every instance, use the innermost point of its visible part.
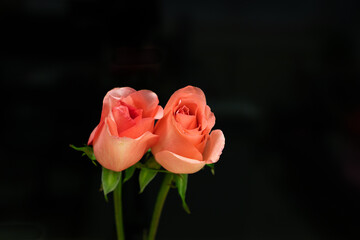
(171, 139)
(92, 136)
(210, 117)
(178, 164)
(201, 146)
(186, 121)
(214, 146)
(122, 92)
(142, 126)
(187, 94)
(113, 129)
(112, 97)
(159, 112)
(95, 133)
(145, 100)
(194, 136)
(119, 153)
(122, 118)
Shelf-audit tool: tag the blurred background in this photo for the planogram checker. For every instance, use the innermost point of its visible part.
(282, 78)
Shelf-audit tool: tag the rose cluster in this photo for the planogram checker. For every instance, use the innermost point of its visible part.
(181, 140)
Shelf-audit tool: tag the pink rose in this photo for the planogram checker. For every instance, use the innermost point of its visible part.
(125, 131)
(185, 144)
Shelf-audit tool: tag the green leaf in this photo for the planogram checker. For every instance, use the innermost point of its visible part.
(110, 180)
(145, 177)
(212, 168)
(181, 181)
(87, 150)
(129, 172)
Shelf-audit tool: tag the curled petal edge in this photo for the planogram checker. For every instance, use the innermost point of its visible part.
(178, 164)
(214, 147)
(159, 112)
(119, 93)
(92, 136)
(143, 99)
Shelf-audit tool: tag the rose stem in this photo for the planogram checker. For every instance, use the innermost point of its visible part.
(164, 189)
(118, 210)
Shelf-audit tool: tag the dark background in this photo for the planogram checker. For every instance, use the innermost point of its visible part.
(282, 78)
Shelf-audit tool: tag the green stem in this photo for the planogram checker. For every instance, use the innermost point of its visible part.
(164, 189)
(118, 210)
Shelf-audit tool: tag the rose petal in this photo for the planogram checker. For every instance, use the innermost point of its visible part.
(187, 94)
(92, 136)
(159, 112)
(194, 131)
(122, 92)
(186, 121)
(193, 136)
(112, 98)
(116, 153)
(214, 146)
(113, 129)
(178, 164)
(173, 140)
(186, 106)
(201, 146)
(210, 117)
(145, 124)
(122, 118)
(187, 125)
(145, 100)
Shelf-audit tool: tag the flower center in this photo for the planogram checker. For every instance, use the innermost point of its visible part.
(183, 110)
(185, 117)
(126, 116)
(133, 112)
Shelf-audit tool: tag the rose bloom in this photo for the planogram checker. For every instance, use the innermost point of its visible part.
(186, 144)
(125, 131)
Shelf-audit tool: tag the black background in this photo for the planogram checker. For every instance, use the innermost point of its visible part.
(282, 78)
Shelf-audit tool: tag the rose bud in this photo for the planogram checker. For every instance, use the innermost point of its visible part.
(125, 131)
(186, 144)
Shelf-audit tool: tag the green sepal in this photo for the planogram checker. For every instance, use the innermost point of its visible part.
(148, 171)
(87, 150)
(181, 181)
(109, 180)
(129, 172)
(212, 168)
(145, 177)
(152, 163)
